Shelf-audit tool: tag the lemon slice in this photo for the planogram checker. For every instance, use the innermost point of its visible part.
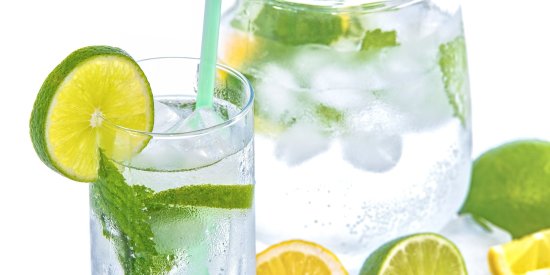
(424, 253)
(528, 255)
(297, 257)
(240, 48)
(91, 85)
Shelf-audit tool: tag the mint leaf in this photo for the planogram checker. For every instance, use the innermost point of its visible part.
(121, 211)
(377, 39)
(206, 195)
(329, 116)
(454, 67)
(297, 26)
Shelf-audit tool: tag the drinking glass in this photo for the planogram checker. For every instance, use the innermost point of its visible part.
(362, 117)
(183, 202)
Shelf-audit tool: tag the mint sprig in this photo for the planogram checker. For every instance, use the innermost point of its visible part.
(454, 67)
(329, 116)
(125, 212)
(120, 208)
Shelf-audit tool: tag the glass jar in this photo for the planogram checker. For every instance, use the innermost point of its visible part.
(362, 118)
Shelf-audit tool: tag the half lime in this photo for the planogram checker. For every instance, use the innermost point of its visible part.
(424, 253)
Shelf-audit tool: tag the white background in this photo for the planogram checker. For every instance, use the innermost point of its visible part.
(44, 217)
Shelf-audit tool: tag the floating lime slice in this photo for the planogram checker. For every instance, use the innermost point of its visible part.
(298, 27)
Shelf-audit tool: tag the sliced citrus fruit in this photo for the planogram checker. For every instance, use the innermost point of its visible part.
(239, 49)
(416, 254)
(297, 257)
(311, 25)
(91, 85)
(528, 255)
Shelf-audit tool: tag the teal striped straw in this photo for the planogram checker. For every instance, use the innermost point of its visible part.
(209, 50)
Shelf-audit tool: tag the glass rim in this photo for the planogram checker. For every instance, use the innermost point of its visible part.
(341, 6)
(226, 123)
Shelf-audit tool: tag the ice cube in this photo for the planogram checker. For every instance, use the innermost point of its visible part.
(451, 27)
(344, 100)
(404, 21)
(159, 155)
(412, 81)
(474, 241)
(377, 116)
(343, 88)
(183, 153)
(278, 93)
(201, 118)
(301, 142)
(441, 27)
(420, 97)
(309, 59)
(405, 63)
(165, 117)
(372, 151)
(412, 24)
(192, 151)
(322, 68)
(335, 79)
(207, 148)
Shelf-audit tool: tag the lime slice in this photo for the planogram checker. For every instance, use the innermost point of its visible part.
(238, 196)
(511, 187)
(416, 254)
(67, 122)
(310, 25)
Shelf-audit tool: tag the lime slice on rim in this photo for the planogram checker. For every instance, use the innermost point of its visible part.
(416, 254)
(91, 85)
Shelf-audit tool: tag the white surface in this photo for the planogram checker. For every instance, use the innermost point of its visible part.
(474, 241)
(45, 216)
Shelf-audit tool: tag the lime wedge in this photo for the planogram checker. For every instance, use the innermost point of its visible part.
(91, 85)
(416, 254)
(298, 27)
